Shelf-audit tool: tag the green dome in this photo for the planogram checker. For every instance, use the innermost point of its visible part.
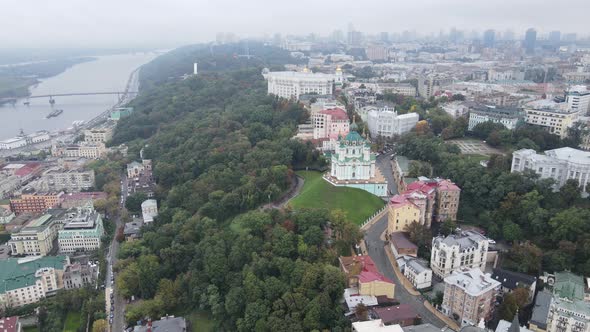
(353, 135)
(354, 126)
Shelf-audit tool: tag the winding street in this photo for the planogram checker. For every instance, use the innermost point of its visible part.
(375, 247)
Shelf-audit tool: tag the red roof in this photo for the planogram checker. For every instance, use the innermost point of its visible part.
(9, 324)
(85, 195)
(396, 314)
(27, 169)
(336, 113)
(448, 185)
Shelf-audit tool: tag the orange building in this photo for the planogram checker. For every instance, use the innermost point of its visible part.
(35, 203)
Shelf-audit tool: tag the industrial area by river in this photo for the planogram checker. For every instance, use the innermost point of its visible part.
(105, 74)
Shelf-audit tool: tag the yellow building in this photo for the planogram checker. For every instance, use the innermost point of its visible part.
(36, 237)
(363, 275)
(401, 212)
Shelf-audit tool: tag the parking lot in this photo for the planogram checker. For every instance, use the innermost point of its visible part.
(474, 147)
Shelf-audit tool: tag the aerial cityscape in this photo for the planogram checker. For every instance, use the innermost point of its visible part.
(292, 173)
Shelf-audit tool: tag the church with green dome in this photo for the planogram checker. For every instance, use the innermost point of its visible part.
(353, 164)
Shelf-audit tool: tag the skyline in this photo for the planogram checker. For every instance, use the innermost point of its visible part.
(68, 23)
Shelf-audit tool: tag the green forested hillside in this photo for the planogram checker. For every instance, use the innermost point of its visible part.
(221, 148)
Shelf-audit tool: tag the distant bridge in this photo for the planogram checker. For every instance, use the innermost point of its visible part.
(81, 94)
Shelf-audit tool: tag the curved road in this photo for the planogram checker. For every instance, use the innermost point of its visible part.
(375, 247)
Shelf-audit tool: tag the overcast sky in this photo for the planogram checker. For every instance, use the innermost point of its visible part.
(116, 23)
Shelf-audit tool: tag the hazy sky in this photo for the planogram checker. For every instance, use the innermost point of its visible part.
(115, 23)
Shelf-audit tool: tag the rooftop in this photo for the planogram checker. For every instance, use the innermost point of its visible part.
(17, 273)
(375, 326)
(541, 309)
(569, 286)
(465, 240)
(363, 266)
(400, 240)
(511, 279)
(165, 324)
(9, 324)
(473, 282)
(336, 113)
(395, 314)
(80, 218)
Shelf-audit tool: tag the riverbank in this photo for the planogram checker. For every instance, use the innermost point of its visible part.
(16, 80)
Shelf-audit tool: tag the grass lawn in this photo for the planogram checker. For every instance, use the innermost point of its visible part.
(317, 193)
(72, 322)
(30, 329)
(200, 321)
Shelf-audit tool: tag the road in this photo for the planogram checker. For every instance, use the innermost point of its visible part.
(118, 319)
(383, 162)
(375, 247)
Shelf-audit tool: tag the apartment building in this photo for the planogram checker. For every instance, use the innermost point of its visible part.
(404, 210)
(430, 84)
(386, 122)
(329, 123)
(35, 202)
(82, 230)
(69, 180)
(469, 297)
(569, 310)
(457, 252)
(554, 117)
(89, 150)
(36, 236)
(577, 98)
(27, 280)
(443, 196)
(416, 271)
(559, 164)
(98, 135)
(509, 117)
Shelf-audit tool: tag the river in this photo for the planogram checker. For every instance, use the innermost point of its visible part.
(105, 74)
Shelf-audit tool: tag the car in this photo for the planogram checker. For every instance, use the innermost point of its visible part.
(490, 241)
(112, 315)
(111, 321)
(112, 295)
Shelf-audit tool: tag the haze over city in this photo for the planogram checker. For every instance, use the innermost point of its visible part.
(113, 23)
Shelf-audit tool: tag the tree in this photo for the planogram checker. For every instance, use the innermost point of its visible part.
(521, 296)
(448, 227)
(508, 307)
(569, 224)
(362, 312)
(570, 192)
(100, 325)
(133, 202)
(525, 258)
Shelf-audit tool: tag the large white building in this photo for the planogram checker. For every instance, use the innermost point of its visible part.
(455, 252)
(577, 98)
(27, 280)
(508, 117)
(149, 210)
(353, 165)
(559, 164)
(36, 237)
(386, 122)
(82, 231)
(569, 310)
(554, 117)
(292, 84)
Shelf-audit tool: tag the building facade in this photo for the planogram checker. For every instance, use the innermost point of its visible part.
(69, 180)
(387, 123)
(98, 135)
(508, 117)
(456, 252)
(330, 123)
(569, 310)
(418, 274)
(556, 118)
(149, 210)
(291, 84)
(364, 276)
(27, 280)
(578, 99)
(36, 237)
(430, 84)
(559, 164)
(78, 275)
(82, 230)
(404, 210)
(35, 203)
(469, 297)
(353, 165)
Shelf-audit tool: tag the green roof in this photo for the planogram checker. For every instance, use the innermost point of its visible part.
(403, 162)
(40, 221)
(354, 136)
(569, 286)
(14, 275)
